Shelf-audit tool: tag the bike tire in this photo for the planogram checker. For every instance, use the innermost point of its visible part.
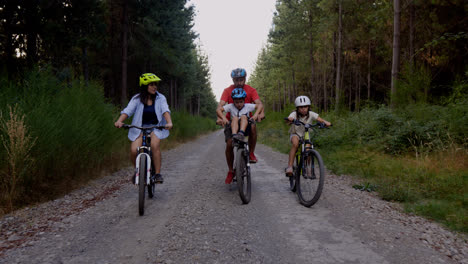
(311, 179)
(292, 179)
(243, 176)
(151, 186)
(151, 189)
(141, 185)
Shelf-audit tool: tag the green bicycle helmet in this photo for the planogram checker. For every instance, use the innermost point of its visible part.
(147, 78)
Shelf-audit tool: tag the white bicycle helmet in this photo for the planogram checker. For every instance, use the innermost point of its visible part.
(302, 100)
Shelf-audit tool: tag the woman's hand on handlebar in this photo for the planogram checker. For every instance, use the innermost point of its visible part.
(168, 126)
(118, 124)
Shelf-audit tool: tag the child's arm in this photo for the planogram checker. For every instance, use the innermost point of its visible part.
(291, 118)
(321, 120)
(219, 113)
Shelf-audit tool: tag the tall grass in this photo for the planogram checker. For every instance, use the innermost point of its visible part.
(187, 127)
(18, 144)
(417, 155)
(72, 125)
(58, 135)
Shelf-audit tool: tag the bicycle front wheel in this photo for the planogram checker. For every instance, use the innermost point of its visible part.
(151, 186)
(296, 172)
(243, 176)
(141, 185)
(310, 181)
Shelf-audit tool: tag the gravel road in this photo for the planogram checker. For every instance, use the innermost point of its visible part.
(196, 218)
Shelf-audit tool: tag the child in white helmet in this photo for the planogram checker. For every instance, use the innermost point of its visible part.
(306, 116)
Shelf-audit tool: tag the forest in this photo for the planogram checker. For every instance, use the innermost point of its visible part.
(67, 69)
(351, 54)
(392, 78)
(112, 41)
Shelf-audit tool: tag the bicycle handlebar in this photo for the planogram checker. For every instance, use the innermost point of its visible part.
(300, 123)
(143, 128)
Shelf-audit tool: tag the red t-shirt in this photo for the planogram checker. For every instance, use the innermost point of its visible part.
(252, 95)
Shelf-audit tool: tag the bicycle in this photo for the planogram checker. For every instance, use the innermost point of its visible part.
(144, 171)
(308, 169)
(242, 169)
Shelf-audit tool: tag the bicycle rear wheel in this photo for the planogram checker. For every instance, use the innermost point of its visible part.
(141, 185)
(243, 176)
(310, 181)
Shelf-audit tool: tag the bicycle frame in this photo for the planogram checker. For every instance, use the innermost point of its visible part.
(306, 142)
(242, 145)
(144, 152)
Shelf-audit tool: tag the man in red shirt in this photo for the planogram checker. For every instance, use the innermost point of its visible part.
(238, 77)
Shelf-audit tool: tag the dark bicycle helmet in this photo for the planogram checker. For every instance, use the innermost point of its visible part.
(238, 93)
(239, 72)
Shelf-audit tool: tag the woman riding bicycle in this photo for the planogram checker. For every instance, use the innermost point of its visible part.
(303, 114)
(149, 107)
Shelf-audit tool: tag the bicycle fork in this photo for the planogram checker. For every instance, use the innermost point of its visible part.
(148, 167)
(245, 155)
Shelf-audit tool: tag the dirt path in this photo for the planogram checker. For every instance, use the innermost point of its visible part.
(196, 218)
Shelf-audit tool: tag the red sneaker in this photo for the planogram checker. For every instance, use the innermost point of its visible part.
(229, 177)
(252, 158)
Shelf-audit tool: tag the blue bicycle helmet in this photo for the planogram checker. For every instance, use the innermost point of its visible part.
(238, 93)
(239, 72)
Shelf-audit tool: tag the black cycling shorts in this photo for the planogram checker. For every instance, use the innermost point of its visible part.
(228, 131)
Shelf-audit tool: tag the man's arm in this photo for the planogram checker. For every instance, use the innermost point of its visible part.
(259, 114)
(219, 120)
(258, 110)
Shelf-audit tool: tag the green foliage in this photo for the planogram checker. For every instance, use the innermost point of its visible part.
(413, 129)
(187, 127)
(368, 187)
(273, 131)
(73, 127)
(413, 86)
(416, 155)
(434, 186)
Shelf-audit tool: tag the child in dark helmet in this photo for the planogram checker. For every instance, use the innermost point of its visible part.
(303, 114)
(239, 112)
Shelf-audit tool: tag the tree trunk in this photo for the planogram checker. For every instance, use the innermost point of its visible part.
(411, 32)
(176, 99)
(369, 72)
(279, 95)
(294, 83)
(286, 99)
(359, 93)
(172, 88)
(338, 58)
(84, 64)
(8, 31)
(396, 49)
(123, 94)
(325, 101)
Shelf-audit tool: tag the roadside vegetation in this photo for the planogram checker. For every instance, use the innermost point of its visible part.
(69, 67)
(392, 78)
(417, 155)
(58, 135)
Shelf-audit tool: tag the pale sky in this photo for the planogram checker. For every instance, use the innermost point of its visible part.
(231, 33)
